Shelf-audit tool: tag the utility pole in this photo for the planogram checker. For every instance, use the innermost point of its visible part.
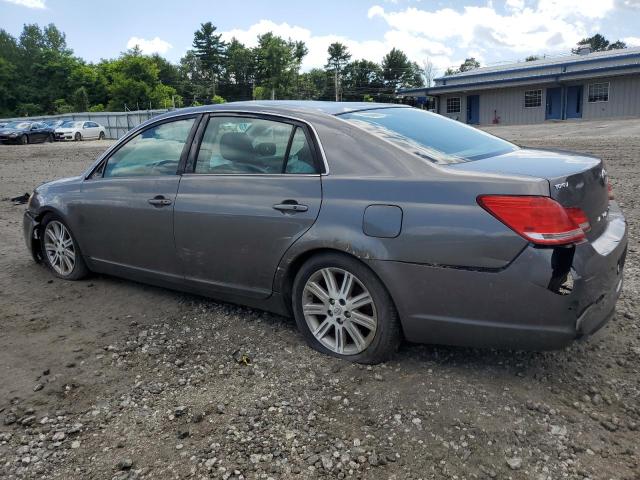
(173, 101)
(335, 71)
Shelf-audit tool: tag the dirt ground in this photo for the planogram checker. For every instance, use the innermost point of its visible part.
(106, 378)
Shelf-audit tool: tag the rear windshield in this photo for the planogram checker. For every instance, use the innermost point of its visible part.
(429, 135)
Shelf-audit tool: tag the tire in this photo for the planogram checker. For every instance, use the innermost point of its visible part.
(49, 139)
(377, 333)
(60, 268)
(101, 136)
(77, 137)
(24, 140)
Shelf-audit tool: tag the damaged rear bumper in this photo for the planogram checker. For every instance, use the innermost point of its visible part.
(545, 299)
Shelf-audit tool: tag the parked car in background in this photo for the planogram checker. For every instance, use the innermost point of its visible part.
(2, 124)
(79, 130)
(54, 123)
(366, 222)
(24, 132)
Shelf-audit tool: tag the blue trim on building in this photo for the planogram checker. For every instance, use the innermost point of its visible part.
(552, 76)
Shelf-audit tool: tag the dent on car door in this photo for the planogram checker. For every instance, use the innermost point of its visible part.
(253, 191)
(126, 210)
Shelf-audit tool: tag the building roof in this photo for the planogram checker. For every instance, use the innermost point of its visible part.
(553, 69)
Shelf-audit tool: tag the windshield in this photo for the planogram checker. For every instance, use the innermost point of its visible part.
(70, 124)
(429, 135)
(18, 125)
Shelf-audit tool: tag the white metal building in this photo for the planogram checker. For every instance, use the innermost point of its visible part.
(585, 85)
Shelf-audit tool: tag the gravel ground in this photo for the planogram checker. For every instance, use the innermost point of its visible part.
(106, 378)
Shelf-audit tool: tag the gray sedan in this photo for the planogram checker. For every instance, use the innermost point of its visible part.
(368, 223)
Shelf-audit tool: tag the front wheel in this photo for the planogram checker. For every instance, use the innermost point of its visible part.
(24, 140)
(60, 250)
(49, 138)
(344, 310)
(77, 137)
(101, 136)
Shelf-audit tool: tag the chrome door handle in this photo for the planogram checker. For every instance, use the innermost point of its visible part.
(291, 207)
(159, 201)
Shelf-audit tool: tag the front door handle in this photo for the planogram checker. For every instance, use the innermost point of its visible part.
(159, 201)
(291, 207)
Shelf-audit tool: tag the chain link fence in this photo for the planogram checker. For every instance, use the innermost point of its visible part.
(116, 124)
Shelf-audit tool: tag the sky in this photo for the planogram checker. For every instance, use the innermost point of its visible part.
(445, 32)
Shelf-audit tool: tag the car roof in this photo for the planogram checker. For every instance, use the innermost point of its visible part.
(289, 107)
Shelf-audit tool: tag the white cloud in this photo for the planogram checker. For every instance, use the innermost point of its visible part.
(155, 45)
(417, 48)
(632, 41)
(551, 25)
(29, 3)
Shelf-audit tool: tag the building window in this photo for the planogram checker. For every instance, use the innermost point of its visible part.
(532, 98)
(453, 105)
(599, 92)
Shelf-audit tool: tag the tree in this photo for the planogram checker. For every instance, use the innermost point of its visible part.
(278, 63)
(469, 64)
(532, 58)
(81, 100)
(399, 72)
(209, 48)
(598, 43)
(313, 85)
(338, 57)
(429, 72)
(360, 78)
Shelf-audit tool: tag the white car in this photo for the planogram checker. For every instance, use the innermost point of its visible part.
(79, 130)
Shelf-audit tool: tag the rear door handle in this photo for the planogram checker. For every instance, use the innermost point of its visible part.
(159, 201)
(291, 207)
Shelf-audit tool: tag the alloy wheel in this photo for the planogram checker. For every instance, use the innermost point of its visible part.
(59, 248)
(339, 311)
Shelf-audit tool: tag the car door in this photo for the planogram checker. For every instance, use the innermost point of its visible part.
(126, 207)
(251, 190)
(37, 133)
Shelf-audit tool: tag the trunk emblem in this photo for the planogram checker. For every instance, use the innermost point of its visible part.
(561, 185)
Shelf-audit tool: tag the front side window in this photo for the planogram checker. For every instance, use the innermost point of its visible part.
(154, 151)
(453, 105)
(432, 137)
(532, 98)
(599, 92)
(237, 145)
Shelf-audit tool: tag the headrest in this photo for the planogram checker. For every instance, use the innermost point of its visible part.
(236, 147)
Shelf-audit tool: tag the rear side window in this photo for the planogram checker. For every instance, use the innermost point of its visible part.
(239, 145)
(154, 151)
(431, 136)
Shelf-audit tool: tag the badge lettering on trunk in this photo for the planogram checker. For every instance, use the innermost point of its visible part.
(561, 185)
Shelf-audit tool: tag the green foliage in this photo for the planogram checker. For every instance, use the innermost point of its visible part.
(81, 100)
(217, 100)
(39, 74)
(399, 72)
(532, 58)
(469, 64)
(599, 43)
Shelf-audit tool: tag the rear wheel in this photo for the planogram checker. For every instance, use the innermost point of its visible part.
(49, 138)
(343, 309)
(60, 250)
(101, 136)
(77, 137)
(24, 139)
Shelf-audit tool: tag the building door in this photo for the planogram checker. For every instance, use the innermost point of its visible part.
(554, 104)
(473, 109)
(574, 102)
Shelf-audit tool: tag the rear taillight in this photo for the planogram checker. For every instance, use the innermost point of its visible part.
(610, 192)
(541, 220)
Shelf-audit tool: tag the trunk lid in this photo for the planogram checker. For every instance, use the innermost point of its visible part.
(575, 180)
